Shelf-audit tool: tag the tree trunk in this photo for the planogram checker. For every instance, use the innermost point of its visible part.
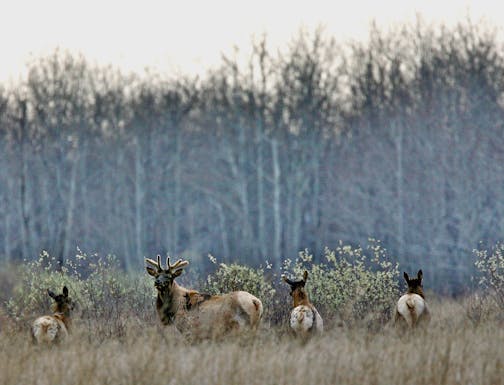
(399, 186)
(74, 159)
(261, 219)
(139, 196)
(277, 217)
(23, 186)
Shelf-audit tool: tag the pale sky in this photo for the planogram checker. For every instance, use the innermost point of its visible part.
(190, 36)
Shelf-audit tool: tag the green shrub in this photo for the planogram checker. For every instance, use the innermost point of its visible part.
(356, 285)
(353, 284)
(232, 277)
(490, 266)
(100, 288)
(30, 293)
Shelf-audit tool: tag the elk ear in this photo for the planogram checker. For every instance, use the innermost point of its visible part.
(420, 274)
(287, 280)
(151, 271)
(305, 275)
(176, 273)
(65, 291)
(406, 277)
(51, 293)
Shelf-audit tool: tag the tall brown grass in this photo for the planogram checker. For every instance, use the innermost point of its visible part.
(453, 350)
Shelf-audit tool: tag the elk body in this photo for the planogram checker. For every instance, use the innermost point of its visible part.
(411, 307)
(304, 317)
(198, 315)
(54, 328)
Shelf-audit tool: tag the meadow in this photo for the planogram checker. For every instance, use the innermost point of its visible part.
(117, 339)
(453, 350)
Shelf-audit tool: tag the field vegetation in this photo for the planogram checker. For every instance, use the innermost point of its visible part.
(116, 338)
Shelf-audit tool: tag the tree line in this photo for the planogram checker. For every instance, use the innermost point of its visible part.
(398, 138)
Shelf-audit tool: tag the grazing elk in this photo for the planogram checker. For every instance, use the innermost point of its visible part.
(197, 315)
(54, 328)
(304, 317)
(411, 307)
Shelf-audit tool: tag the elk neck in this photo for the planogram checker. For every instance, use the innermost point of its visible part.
(62, 313)
(300, 297)
(65, 319)
(416, 290)
(169, 301)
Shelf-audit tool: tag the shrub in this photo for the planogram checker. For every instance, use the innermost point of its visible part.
(490, 266)
(232, 277)
(359, 286)
(30, 294)
(356, 285)
(105, 295)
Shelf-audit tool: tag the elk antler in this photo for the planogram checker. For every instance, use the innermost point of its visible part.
(169, 267)
(157, 264)
(176, 266)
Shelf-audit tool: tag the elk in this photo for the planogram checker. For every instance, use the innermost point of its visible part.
(411, 307)
(304, 317)
(54, 328)
(197, 315)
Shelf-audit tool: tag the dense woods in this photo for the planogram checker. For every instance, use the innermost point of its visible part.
(399, 138)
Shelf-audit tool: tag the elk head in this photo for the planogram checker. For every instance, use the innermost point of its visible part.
(164, 278)
(62, 302)
(415, 284)
(298, 292)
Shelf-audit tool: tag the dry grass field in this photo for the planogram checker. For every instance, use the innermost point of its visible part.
(453, 350)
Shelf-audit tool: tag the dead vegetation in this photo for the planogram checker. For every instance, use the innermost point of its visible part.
(454, 350)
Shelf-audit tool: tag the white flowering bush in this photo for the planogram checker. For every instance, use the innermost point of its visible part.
(98, 286)
(490, 266)
(354, 284)
(30, 294)
(234, 276)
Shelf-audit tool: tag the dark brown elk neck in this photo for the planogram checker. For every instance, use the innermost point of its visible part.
(168, 302)
(416, 290)
(300, 297)
(62, 310)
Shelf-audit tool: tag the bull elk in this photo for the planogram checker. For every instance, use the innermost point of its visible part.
(54, 328)
(304, 317)
(411, 307)
(197, 315)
